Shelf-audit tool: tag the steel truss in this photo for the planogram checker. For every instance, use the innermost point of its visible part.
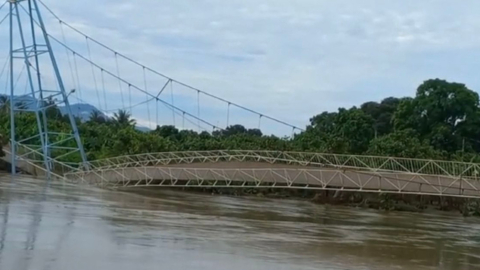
(451, 169)
(291, 170)
(29, 45)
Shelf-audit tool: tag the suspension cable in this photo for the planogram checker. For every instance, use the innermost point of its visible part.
(183, 121)
(198, 107)
(25, 92)
(68, 56)
(7, 60)
(3, 5)
(126, 82)
(103, 88)
(119, 82)
(130, 98)
(148, 104)
(148, 111)
(19, 76)
(228, 115)
(6, 82)
(133, 106)
(156, 110)
(93, 74)
(173, 111)
(182, 113)
(7, 15)
(200, 127)
(79, 89)
(163, 75)
(134, 86)
(4, 18)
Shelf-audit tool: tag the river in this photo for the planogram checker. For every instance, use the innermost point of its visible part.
(65, 227)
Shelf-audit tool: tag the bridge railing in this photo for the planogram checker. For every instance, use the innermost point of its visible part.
(33, 167)
(30, 153)
(370, 163)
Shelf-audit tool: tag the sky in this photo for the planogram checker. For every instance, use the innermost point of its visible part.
(287, 59)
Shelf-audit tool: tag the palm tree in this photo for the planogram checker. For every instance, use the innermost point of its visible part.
(123, 118)
(97, 117)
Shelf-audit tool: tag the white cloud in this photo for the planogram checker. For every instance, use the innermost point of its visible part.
(287, 59)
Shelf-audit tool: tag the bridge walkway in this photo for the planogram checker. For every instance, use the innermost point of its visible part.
(241, 169)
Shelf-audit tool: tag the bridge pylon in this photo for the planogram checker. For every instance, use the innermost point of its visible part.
(32, 56)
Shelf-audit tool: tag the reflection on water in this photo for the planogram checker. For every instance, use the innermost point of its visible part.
(66, 227)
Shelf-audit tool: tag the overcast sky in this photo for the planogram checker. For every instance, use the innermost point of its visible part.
(291, 59)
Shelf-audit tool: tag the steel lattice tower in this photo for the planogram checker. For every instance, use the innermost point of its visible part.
(31, 52)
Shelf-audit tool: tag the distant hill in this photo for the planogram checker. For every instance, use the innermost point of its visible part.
(143, 129)
(83, 111)
(79, 110)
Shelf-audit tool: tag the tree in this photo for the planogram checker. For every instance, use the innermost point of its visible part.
(345, 131)
(446, 103)
(382, 114)
(128, 141)
(319, 141)
(237, 129)
(255, 132)
(405, 117)
(123, 118)
(356, 128)
(444, 113)
(98, 117)
(167, 132)
(404, 143)
(325, 122)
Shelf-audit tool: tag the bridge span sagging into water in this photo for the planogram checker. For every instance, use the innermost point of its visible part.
(284, 170)
(266, 169)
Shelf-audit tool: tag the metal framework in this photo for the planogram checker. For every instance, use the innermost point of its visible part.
(29, 41)
(33, 167)
(451, 169)
(290, 170)
(266, 169)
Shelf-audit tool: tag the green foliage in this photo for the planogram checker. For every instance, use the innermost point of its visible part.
(446, 114)
(403, 143)
(348, 131)
(123, 119)
(382, 114)
(442, 121)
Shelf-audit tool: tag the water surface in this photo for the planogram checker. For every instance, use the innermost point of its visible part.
(65, 227)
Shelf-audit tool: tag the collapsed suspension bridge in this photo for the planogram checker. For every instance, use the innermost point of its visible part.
(50, 68)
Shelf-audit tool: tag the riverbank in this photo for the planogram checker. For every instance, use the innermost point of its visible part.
(378, 201)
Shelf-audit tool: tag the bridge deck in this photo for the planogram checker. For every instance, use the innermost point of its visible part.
(237, 174)
(222, 169)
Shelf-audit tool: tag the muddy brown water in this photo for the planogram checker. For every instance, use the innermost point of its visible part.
(65, 227)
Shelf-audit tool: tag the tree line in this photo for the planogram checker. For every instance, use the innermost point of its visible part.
(442, 121)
